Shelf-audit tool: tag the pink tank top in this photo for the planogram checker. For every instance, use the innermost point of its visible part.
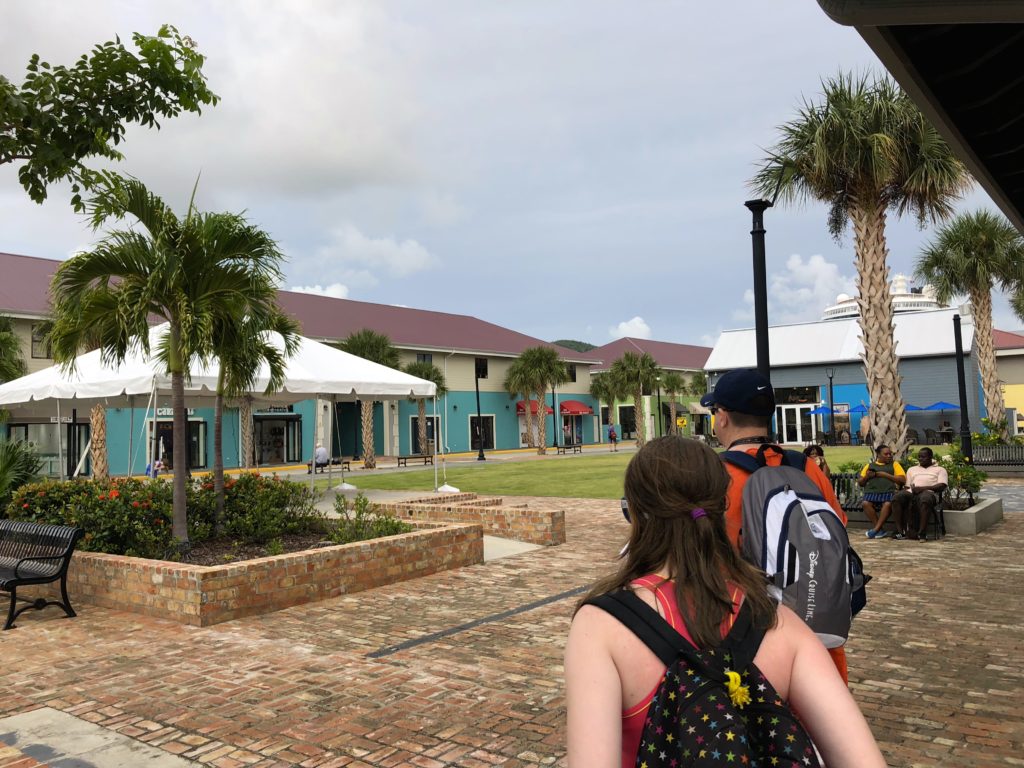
(634, 717)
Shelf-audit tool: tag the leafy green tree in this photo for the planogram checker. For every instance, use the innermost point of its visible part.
(243, 340)
(377, 348)
(186, 271)
(542, 368)
(674, 385)
(865, 149)
(12, 360)
(62, 116)
(637, 373)
(421, 369)
(974, 254)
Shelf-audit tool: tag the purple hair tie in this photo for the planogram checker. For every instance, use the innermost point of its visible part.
(698, 513)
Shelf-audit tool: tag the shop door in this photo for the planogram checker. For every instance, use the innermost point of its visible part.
(414, 437)
(795, 423)
(627, 420)
(487, 423)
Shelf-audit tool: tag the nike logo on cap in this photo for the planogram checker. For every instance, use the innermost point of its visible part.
(764, 387)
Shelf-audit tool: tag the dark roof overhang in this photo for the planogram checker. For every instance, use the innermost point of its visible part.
(961, 62)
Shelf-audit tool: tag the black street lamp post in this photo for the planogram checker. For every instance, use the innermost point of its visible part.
(965, 422)
(661, 421)
(830, 372)
(479, 419)
(757, 209)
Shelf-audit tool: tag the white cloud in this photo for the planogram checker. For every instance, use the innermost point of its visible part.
(636, 327)
(334, 290)
(800, 292)
(351, 250)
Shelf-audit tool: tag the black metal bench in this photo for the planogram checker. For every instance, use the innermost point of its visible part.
(335, 462)
(572, 447)
(426, 458)
(33, 553)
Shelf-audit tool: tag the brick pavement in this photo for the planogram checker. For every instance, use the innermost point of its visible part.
(937, 662)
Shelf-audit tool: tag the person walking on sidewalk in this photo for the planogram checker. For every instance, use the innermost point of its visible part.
(743, 403)
(613, 439)
(679, 561)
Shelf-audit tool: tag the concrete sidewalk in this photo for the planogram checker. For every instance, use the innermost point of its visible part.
(464, 668)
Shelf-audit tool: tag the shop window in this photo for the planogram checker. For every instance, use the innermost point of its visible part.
(481, 367)
(424, 357)
(571, 370)
(487, 422)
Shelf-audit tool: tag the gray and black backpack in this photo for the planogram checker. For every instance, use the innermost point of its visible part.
(791, 532)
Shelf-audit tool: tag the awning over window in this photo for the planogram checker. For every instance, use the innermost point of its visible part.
(697, 408)
(574, 408)
(521, 408)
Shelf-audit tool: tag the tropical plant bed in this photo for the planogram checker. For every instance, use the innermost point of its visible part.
(226, 550)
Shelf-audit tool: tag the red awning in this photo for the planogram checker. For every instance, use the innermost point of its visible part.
(574, 408)
(521, 408)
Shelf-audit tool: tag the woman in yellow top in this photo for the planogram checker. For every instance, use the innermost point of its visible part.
(880, 480)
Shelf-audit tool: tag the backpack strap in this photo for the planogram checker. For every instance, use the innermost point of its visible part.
(751, 462)
(667, 644)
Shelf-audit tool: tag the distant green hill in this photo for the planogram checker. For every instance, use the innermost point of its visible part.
(579, 346)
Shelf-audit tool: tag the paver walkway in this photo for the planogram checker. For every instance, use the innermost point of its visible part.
(464, 668)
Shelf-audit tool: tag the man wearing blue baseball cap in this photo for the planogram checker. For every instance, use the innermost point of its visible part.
(743, 403)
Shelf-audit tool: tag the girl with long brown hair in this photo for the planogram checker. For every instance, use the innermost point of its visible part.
(680, 562)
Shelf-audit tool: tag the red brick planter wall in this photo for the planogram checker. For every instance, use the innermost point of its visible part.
(200, 595)
(519, 522)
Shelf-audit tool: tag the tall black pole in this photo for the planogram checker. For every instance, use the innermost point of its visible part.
(661, 423)
(757, 209)
(965, 422)
(479, 421)
(831, 410)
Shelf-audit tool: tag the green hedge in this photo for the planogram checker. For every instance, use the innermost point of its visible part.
(127, 516)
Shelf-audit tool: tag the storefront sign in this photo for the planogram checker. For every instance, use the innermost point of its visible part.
(63, 419)
(169, 412)
(275, 409)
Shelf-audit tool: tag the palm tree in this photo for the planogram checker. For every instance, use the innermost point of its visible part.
(865, 150)
(421, 369)
(543, 368)
(698, 385)
(604, 387)
(184, 270)
(972, 254)
(377, 348)
(12, 360)
(638, 373)
(243, 341)
(519, 383)
(674, 385)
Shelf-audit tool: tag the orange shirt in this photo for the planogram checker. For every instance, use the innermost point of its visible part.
(734, 515)
(734, 497)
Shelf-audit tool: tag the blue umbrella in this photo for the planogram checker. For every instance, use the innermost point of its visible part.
(859, 409)
(913, 407)
(942, 405)
(821, 410)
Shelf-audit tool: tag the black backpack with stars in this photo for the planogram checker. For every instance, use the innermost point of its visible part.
(713, 708)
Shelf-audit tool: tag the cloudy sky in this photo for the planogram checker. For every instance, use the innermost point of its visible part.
(566, 169)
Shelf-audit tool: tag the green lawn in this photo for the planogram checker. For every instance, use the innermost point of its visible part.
(589, 476)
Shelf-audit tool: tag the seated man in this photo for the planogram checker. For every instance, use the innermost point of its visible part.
(320, 458)
(926, 484)
(880, 479)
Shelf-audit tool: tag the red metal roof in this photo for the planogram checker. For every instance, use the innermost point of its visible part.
(25, 290)
(25, 284)
(680, 357)
(1007, 340)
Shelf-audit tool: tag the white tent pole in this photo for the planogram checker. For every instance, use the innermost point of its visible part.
(312, 458)
(330, 444)
(60, 451)
(81, 461)
(131, 432)
(434, 425)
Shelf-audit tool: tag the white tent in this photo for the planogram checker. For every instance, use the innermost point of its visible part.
(315, 370)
